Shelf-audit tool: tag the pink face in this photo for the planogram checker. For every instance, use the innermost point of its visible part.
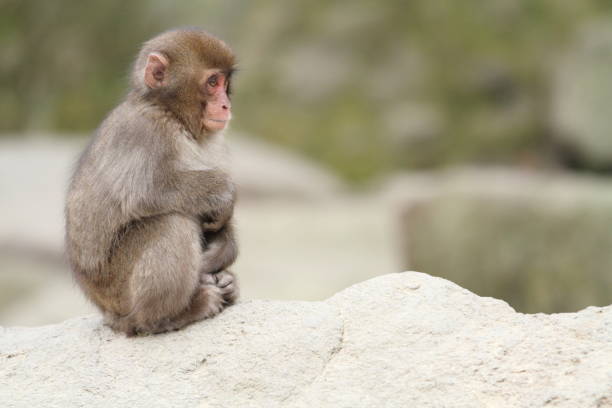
(217, 109)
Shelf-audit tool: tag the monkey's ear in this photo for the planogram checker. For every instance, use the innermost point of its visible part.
(155, 70)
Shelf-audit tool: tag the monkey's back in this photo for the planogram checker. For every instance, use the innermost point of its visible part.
(110, 174)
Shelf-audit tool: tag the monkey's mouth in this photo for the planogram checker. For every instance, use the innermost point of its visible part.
(214, 124)
(214, 119)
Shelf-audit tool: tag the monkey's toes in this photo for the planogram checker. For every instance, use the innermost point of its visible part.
(208, 279)
(227, 284)
(224, 279)
(221, 279)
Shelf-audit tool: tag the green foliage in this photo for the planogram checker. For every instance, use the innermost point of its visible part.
(361, 86)
(64, 62)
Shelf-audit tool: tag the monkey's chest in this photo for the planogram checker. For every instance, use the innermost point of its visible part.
(211, 154)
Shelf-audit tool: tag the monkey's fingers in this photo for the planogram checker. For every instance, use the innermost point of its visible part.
(227, 283)
(224, 279)
(208, 279)
(212, 226)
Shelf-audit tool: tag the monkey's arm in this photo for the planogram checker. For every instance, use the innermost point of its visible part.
(208, 193)
(165, 187)
(149, 175)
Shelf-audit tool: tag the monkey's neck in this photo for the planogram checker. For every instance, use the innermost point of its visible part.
(171, 114)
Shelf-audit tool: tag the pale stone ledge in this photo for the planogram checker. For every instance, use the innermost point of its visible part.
(400, 340)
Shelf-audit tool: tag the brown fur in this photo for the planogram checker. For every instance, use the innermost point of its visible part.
(148, 211)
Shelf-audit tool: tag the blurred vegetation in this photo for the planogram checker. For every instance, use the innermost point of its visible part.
(363, 87)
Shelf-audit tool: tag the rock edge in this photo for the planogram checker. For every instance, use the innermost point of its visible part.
(406, 339)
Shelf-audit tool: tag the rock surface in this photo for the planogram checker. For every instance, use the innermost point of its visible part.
(399, 340)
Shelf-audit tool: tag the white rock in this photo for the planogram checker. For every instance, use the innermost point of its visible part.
(378, 343)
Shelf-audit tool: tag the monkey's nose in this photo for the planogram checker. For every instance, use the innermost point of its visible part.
(225, 106)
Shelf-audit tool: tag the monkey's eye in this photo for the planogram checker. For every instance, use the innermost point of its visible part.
(213, 81)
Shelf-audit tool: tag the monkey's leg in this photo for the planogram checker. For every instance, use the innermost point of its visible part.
(207, 302)
(220, 249)
(219, 254)
(164, 285)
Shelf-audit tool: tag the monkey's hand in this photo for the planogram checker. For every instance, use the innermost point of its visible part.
(215, 220)
(210, 224)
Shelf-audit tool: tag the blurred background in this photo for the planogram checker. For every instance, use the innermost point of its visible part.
(469, 140)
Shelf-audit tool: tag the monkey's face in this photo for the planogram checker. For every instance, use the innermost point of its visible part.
(215, 102)
(189, 72)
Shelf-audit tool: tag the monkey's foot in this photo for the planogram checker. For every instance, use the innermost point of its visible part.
(207, 302)
(226, 282)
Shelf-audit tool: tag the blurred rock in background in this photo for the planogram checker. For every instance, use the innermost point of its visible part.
(582, 99)
(301, 234)
(541, 242)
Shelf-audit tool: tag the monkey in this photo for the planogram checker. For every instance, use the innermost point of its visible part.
(149, 208)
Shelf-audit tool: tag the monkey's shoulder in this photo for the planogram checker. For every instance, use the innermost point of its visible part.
(131, 124)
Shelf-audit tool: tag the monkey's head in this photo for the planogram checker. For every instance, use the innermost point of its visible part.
(188, 72)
